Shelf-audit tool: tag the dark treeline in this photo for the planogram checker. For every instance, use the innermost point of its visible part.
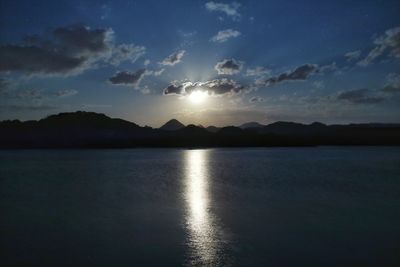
(93, 130)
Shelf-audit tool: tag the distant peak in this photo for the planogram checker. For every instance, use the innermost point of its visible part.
(173, 120)
(172, 125)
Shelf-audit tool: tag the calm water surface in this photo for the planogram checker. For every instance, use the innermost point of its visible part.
(327, 206)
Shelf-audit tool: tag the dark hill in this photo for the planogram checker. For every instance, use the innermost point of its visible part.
(75, 129)
(293, 128)
(252, 124)
(230, 130)
(193, 129)
(86, 120)
(93, 130)
(212, 129)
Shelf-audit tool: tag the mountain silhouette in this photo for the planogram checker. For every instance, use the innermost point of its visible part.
(252, 124)
(172, 125)
(212, 129)
(93, 130)
(87, 120)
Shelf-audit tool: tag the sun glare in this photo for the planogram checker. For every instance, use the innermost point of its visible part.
(198, 96)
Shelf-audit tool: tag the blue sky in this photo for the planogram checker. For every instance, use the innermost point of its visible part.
(305, 61)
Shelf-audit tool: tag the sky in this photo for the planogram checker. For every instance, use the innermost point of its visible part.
(202, 62)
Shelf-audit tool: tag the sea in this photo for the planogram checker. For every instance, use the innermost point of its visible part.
(312, 206)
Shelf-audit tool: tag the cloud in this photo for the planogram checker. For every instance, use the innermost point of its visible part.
(68, 50)
(257, 71)
(300, 73)
(106, 11)
(222, 86)
(125, 52)
(255, 99)
(176, 88)
(92, 106)
(4, 85)
(389, 41)
(33, 59)
(186, 34)
(128, 78)
(29, 94)
(37, 94)
(367, 96)
(230, 10)
(390, 89)
(213, 87)
(392, 85)
(155, 72)
(360, 96)
(173, 59)
(15, 96)
(228, 66)
(158, 72)
(319, 84)
(353, 55)
(66, 93)
(145, 90)
(327, 68)
(372, 55)
(225, 35)
(146, 62)
(27, 107)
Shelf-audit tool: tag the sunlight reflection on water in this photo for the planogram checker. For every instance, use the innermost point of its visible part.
(205, 238)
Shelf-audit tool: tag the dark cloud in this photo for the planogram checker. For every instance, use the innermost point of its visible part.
(390, 89)
(176, 88)
(366, 96)
(33, 59)
(128, 78)
(222, 86)
(80, 40)
(173, 59)
(228, 66)
(68, 50)
(360, 96)
(300, 73)
(213, 87)
(255, 99)
(389, 41)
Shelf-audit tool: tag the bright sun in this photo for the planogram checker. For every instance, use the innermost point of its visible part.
(198, 96)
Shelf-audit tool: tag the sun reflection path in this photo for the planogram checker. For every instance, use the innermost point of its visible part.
(205, 238)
